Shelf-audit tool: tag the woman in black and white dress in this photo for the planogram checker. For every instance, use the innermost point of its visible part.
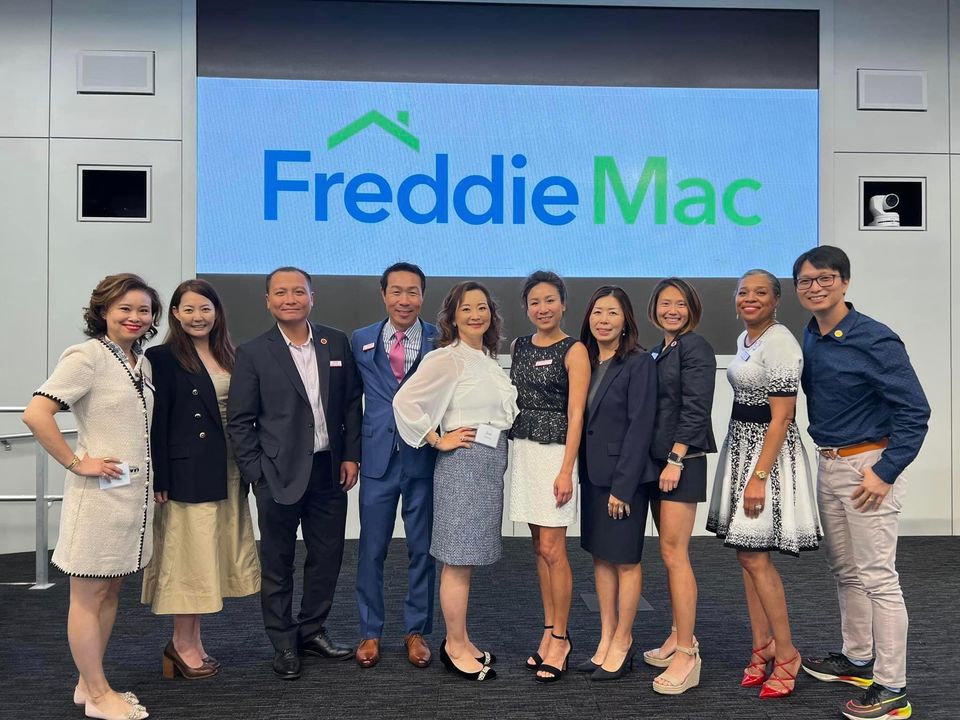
(763, 496)
(552, 372)
(462, 390)
(107, 494)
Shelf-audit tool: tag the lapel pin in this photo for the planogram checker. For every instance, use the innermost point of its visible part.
(673, 344)
(323, 341)
(838, 333)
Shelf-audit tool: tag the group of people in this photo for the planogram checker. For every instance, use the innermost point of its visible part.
(169, 441)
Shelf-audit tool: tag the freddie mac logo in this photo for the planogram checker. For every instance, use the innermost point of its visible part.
(369, 197)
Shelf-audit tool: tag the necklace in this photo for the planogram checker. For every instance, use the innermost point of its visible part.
(754, 341)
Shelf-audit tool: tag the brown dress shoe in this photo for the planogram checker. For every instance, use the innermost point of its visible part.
(368, 654)
(418, 652)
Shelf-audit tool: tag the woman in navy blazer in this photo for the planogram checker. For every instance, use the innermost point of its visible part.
(203, 533)
(616, 471)
(682, 436)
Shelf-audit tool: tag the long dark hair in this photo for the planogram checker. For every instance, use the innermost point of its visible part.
(107, 292)
(181, 344)
(448, 314)
(629, 341)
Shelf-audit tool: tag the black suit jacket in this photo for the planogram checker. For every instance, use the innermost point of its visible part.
(615, 449)
(188, 449)
(270, 420)
(686, 376)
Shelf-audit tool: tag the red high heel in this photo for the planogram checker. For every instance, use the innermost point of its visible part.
(768, 692)
(750, 680)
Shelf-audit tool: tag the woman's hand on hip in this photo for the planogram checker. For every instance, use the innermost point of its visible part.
(563, 488)
(97, 467)
(453, 439)
(670, 477)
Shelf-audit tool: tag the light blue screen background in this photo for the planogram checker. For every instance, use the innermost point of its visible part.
(717, 134)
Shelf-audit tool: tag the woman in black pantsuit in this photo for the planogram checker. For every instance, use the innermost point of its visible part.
(616, 471)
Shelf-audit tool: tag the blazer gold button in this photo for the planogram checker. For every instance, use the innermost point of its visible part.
(196, 392)
(202, 435)
(197, 416)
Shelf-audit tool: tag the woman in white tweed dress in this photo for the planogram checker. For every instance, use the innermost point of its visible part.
(107, 498)
(461, 389)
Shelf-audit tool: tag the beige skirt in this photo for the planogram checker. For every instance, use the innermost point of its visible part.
(202, 553)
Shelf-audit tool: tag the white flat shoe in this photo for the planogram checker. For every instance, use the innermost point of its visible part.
(80, 699)
(135, 712)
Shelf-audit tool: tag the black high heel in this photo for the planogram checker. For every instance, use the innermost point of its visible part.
(555, 672)
(537, 660)
(588, 666)
(484, 673)
(600, 674)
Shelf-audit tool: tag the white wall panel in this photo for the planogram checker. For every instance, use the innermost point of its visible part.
(23, 277)
(891, 35)
(151, 25)
(952, 300)
(902, 279)
(24, 67)
(82, 253)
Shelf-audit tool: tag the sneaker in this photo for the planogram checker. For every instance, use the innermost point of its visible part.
(878, 702)
(837, 668)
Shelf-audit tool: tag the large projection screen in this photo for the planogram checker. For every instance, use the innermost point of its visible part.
(485, 141)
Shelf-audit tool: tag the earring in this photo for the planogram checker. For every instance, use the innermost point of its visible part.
(738, 316)
(774, 314)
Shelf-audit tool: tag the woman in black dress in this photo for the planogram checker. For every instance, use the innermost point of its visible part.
(616, 471)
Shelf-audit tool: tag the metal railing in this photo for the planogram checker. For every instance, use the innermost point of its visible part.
(41, 501)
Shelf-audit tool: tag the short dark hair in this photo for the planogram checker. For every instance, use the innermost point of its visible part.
(447, 317)
(403, 267)
(543, 276)
(631, 333)
(690, 296)
(824, 257)
(290, 268)
(110, 290)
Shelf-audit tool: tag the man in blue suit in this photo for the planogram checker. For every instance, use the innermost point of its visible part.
(386, 353)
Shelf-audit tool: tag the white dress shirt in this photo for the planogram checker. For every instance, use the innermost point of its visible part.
(305, 358)
(454, 387)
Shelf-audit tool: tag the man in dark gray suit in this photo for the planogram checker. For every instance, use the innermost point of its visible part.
(294, 418)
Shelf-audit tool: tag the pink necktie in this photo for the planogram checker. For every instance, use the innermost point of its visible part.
(397, 355)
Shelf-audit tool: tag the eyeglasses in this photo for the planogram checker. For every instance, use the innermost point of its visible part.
(824, 281)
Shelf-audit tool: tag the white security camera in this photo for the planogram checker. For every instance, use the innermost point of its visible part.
(880, 207)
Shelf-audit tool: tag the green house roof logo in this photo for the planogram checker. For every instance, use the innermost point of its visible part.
(396, 129)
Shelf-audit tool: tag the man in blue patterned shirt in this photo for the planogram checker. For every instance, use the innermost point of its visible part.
(868, 417)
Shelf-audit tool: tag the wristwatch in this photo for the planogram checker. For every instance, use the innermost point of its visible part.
(762, 474)
(675, 459)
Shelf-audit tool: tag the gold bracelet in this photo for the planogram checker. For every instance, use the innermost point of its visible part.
(73, 463)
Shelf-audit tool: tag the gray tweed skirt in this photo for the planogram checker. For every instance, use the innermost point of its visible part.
(468, 504)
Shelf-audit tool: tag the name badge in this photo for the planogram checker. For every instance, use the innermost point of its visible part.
(112, 483)
(543, 363)
(488, 435)
(368, 346)
(744, 355)
(336, 363)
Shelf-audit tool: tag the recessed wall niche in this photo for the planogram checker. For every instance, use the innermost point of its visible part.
(893, 203)
(113, 193)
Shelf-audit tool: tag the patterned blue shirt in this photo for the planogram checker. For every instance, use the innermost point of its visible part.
(861, 387)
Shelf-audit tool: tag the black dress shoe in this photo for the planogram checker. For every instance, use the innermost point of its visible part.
(286, 664)
(322, 646)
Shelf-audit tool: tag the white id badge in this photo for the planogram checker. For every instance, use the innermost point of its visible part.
(111, 483)
(488, 435)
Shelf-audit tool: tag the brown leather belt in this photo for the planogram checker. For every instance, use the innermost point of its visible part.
(854, 449)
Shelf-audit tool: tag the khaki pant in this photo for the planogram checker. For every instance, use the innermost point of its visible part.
(862, 553)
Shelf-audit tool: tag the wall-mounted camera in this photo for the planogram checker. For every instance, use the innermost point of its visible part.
(894, 203)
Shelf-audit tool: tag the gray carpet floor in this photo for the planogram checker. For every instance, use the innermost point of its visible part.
(37, 674)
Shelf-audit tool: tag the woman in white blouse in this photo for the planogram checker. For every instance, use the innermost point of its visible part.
(107, 498)
(462, 390)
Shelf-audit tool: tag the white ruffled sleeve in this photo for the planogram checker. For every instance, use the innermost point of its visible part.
(422, 401)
